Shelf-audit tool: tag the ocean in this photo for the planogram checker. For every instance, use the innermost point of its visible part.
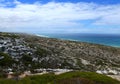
(104, 39)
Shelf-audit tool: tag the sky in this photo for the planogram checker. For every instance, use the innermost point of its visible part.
(60, 16)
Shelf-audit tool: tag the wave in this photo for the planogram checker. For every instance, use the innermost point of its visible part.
(42, 35)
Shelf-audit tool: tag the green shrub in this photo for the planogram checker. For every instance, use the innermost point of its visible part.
(66, 78)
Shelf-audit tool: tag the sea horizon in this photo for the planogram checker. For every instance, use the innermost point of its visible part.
(112, 40)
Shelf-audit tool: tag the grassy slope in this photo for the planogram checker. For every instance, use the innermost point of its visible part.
(66, 78)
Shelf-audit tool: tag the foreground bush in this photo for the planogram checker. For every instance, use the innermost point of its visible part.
(66, 78)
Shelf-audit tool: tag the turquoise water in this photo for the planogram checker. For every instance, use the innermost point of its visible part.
(104, 39)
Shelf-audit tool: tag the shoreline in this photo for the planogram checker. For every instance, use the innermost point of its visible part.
(46, 36)
(42, 35)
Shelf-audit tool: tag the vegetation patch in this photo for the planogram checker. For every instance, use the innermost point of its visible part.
(66, 78)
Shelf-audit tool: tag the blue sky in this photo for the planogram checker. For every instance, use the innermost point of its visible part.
(60, 16)
(73, 1)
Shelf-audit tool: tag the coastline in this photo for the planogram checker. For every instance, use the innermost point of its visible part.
(42, 35)
(70, 39)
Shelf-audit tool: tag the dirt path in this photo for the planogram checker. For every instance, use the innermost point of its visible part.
(117, 77)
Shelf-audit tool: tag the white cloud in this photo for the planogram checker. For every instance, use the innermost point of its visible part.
(56, 16)
(111, 15)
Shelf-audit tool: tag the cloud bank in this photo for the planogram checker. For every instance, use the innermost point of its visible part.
(59, 17)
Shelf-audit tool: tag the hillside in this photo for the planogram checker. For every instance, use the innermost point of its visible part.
(21, 52)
